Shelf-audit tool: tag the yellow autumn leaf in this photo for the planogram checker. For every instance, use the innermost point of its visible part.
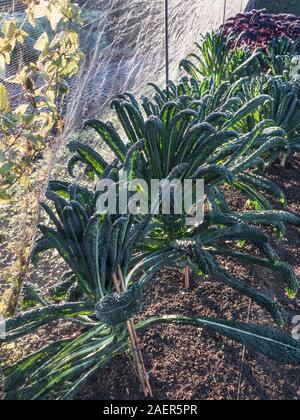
(2, 63)
(30, 16)
(4, 103)
(21, 109)
(20, 36)
(54, 15)
(40, 9)
(4, 197)
(25, 181)
(19, 78)
(42, 43)
(9, 28)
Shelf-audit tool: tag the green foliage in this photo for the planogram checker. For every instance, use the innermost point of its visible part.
(216, 59)
(94, 246)
(223, 125)
(284, 108)
(203, 138)
(221, 65)
(278, 54)
(31, 296)
(117, 308)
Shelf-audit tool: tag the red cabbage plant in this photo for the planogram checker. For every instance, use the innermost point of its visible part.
(257, 28)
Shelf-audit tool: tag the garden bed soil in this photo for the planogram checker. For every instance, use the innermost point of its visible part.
(188, 363)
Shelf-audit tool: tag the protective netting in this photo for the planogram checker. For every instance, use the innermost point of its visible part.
(124, 44)
(128, 47)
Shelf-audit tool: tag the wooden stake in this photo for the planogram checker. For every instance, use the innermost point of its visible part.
(133, 342)
(116, 283)
(140, 355)
(137, 362)
(187, 277)
(121, 278)
(136, 350)
(146, 377)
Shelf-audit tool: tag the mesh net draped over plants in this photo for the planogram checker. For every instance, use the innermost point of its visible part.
(124, 44)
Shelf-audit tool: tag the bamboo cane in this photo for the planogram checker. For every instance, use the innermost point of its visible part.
(187, 277)
(140, 355)
(135, 349)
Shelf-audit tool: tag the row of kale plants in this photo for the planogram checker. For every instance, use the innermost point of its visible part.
(234, 113)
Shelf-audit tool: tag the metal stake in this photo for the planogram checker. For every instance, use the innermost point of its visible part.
(224, 14)
(167, 44)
